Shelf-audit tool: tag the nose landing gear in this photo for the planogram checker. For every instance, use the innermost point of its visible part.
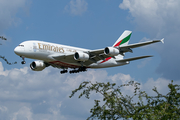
(23, 58)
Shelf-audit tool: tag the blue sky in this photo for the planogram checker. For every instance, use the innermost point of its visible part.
(87, 24)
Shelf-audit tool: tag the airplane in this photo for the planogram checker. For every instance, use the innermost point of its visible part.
(78, 59)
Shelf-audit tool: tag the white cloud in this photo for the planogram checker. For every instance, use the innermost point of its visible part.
(2, 72)
(23, 113)
(25, 94)
(76, 7)
(3, 109)
(9, 9)
(144, 62)
(122, 78)
(154, 16)
(43, 95)
(160, 19)
(161, 85)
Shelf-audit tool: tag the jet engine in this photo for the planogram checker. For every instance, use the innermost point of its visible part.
(80, 56)
(37, 65)
(111, 51)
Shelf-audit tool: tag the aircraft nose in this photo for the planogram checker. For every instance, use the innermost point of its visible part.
(17, 50)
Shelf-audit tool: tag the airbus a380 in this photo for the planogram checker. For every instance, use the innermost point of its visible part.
(78, 59)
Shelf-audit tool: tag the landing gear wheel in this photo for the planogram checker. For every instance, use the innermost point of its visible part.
(23, 62)
(64, 71)
(81, 69)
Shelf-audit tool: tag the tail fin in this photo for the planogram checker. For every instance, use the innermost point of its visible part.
(123, 39)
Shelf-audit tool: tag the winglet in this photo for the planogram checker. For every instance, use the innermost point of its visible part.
(162, 40)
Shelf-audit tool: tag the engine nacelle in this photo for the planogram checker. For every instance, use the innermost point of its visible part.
(111, 51)
(80, 56)
(37, 65)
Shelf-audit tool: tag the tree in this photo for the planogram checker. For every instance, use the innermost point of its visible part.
(2, 57)
(116, 105)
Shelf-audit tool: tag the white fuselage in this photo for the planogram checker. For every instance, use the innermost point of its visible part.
(45, 50)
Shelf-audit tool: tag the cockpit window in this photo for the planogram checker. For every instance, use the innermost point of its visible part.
(21, 45)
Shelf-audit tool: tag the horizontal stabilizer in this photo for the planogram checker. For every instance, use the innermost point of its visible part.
(134, 58)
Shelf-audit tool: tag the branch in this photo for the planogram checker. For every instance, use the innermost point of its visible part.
(7, 60)
(3, 38)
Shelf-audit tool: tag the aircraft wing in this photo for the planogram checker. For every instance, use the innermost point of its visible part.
(127, 48)
(99, 53)
(134, 58)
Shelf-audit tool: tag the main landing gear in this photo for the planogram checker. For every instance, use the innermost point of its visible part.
(23, 62)
(81, 69)
(64, 71)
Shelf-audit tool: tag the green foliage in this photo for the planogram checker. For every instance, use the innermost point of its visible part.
(116, 105)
